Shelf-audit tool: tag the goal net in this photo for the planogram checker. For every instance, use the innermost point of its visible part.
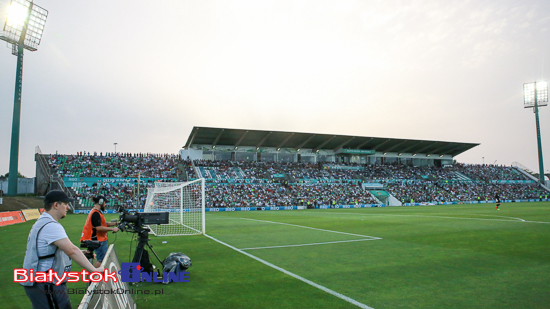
(185, 203)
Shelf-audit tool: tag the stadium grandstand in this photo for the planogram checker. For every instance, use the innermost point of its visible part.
(253, 168)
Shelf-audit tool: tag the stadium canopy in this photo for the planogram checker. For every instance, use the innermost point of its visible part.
(317, 141)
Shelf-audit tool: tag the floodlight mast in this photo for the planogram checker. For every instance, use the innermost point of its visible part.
(17, 38)
(535, 94)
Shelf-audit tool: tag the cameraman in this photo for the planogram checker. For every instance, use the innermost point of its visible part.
(47, 235)
(96, 228)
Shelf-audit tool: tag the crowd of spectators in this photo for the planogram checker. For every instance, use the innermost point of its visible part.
(461, 191)
(247, 194)
(128, 194)
(417, 191)
(276, 194)
(240, 183)
(476, 191)
(333, 194)
(266, 170)
(115, 165)
(188, 169)
(375, 172)
(489, 172)
(422, 172)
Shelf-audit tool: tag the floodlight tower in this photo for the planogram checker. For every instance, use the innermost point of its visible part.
(23, 30)
(536, 95)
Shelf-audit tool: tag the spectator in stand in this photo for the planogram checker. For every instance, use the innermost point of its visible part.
(242, 183)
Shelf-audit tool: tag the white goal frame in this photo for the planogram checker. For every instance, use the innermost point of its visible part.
(185, 202)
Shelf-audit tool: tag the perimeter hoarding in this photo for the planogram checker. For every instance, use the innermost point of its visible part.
(31, 214)
(109, 294)
(11, 217)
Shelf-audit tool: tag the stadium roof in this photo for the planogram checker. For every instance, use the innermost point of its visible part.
(316, 141)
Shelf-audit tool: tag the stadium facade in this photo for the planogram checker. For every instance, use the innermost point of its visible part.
(218, 144)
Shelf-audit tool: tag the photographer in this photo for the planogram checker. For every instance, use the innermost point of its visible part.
(96, 228)
(47, 235)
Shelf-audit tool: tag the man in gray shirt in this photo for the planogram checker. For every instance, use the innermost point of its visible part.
(45, 238)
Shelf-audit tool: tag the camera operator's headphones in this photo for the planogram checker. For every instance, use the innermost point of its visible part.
(101, 200)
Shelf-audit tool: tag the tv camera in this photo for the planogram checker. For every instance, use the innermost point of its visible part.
(136, 222)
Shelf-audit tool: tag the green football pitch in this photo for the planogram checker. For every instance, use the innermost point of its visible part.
(455, 256)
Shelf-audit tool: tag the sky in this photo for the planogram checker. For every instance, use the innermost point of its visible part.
(143, 73)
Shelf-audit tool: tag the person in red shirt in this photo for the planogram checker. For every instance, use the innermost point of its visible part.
(96, 228)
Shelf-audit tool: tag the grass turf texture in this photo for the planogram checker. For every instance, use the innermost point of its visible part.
(456, 256)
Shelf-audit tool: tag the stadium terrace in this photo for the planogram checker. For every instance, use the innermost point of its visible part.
(257, 170)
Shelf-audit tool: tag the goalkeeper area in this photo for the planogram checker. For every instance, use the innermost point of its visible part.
(185, 203)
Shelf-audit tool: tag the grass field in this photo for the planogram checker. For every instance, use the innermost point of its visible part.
(457, 256)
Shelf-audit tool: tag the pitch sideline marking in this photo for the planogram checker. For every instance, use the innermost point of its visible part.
(423, 216)
(310, 244)
(320, 287)
(520, 219)
(313, 228)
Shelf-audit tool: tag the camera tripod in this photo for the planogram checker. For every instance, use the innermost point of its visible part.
(141, 255)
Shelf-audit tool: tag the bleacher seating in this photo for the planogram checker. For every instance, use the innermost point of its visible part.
(235, 183)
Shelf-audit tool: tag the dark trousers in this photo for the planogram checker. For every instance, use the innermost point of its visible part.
(48, 296)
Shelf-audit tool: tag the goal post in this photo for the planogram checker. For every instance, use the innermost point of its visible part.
(185, 203)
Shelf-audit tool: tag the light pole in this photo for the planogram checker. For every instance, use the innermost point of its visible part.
(115, 146)
(23, 29)
(535, 95)
(483, 158)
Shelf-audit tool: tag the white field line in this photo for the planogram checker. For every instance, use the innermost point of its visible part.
(310, 244)
(423, 216)
(177, 223)
(520, 219)
(320, 287)
(313, 228)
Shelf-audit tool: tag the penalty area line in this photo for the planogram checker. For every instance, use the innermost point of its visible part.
(311, 244)
(320, 287)
(312, 228)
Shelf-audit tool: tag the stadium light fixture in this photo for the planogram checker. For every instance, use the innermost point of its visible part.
(16, 14)
(428, 155)
(23, 30)
(414, 154)
(278, 149)
(298, 149)
(535, 95)
(440, 156)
